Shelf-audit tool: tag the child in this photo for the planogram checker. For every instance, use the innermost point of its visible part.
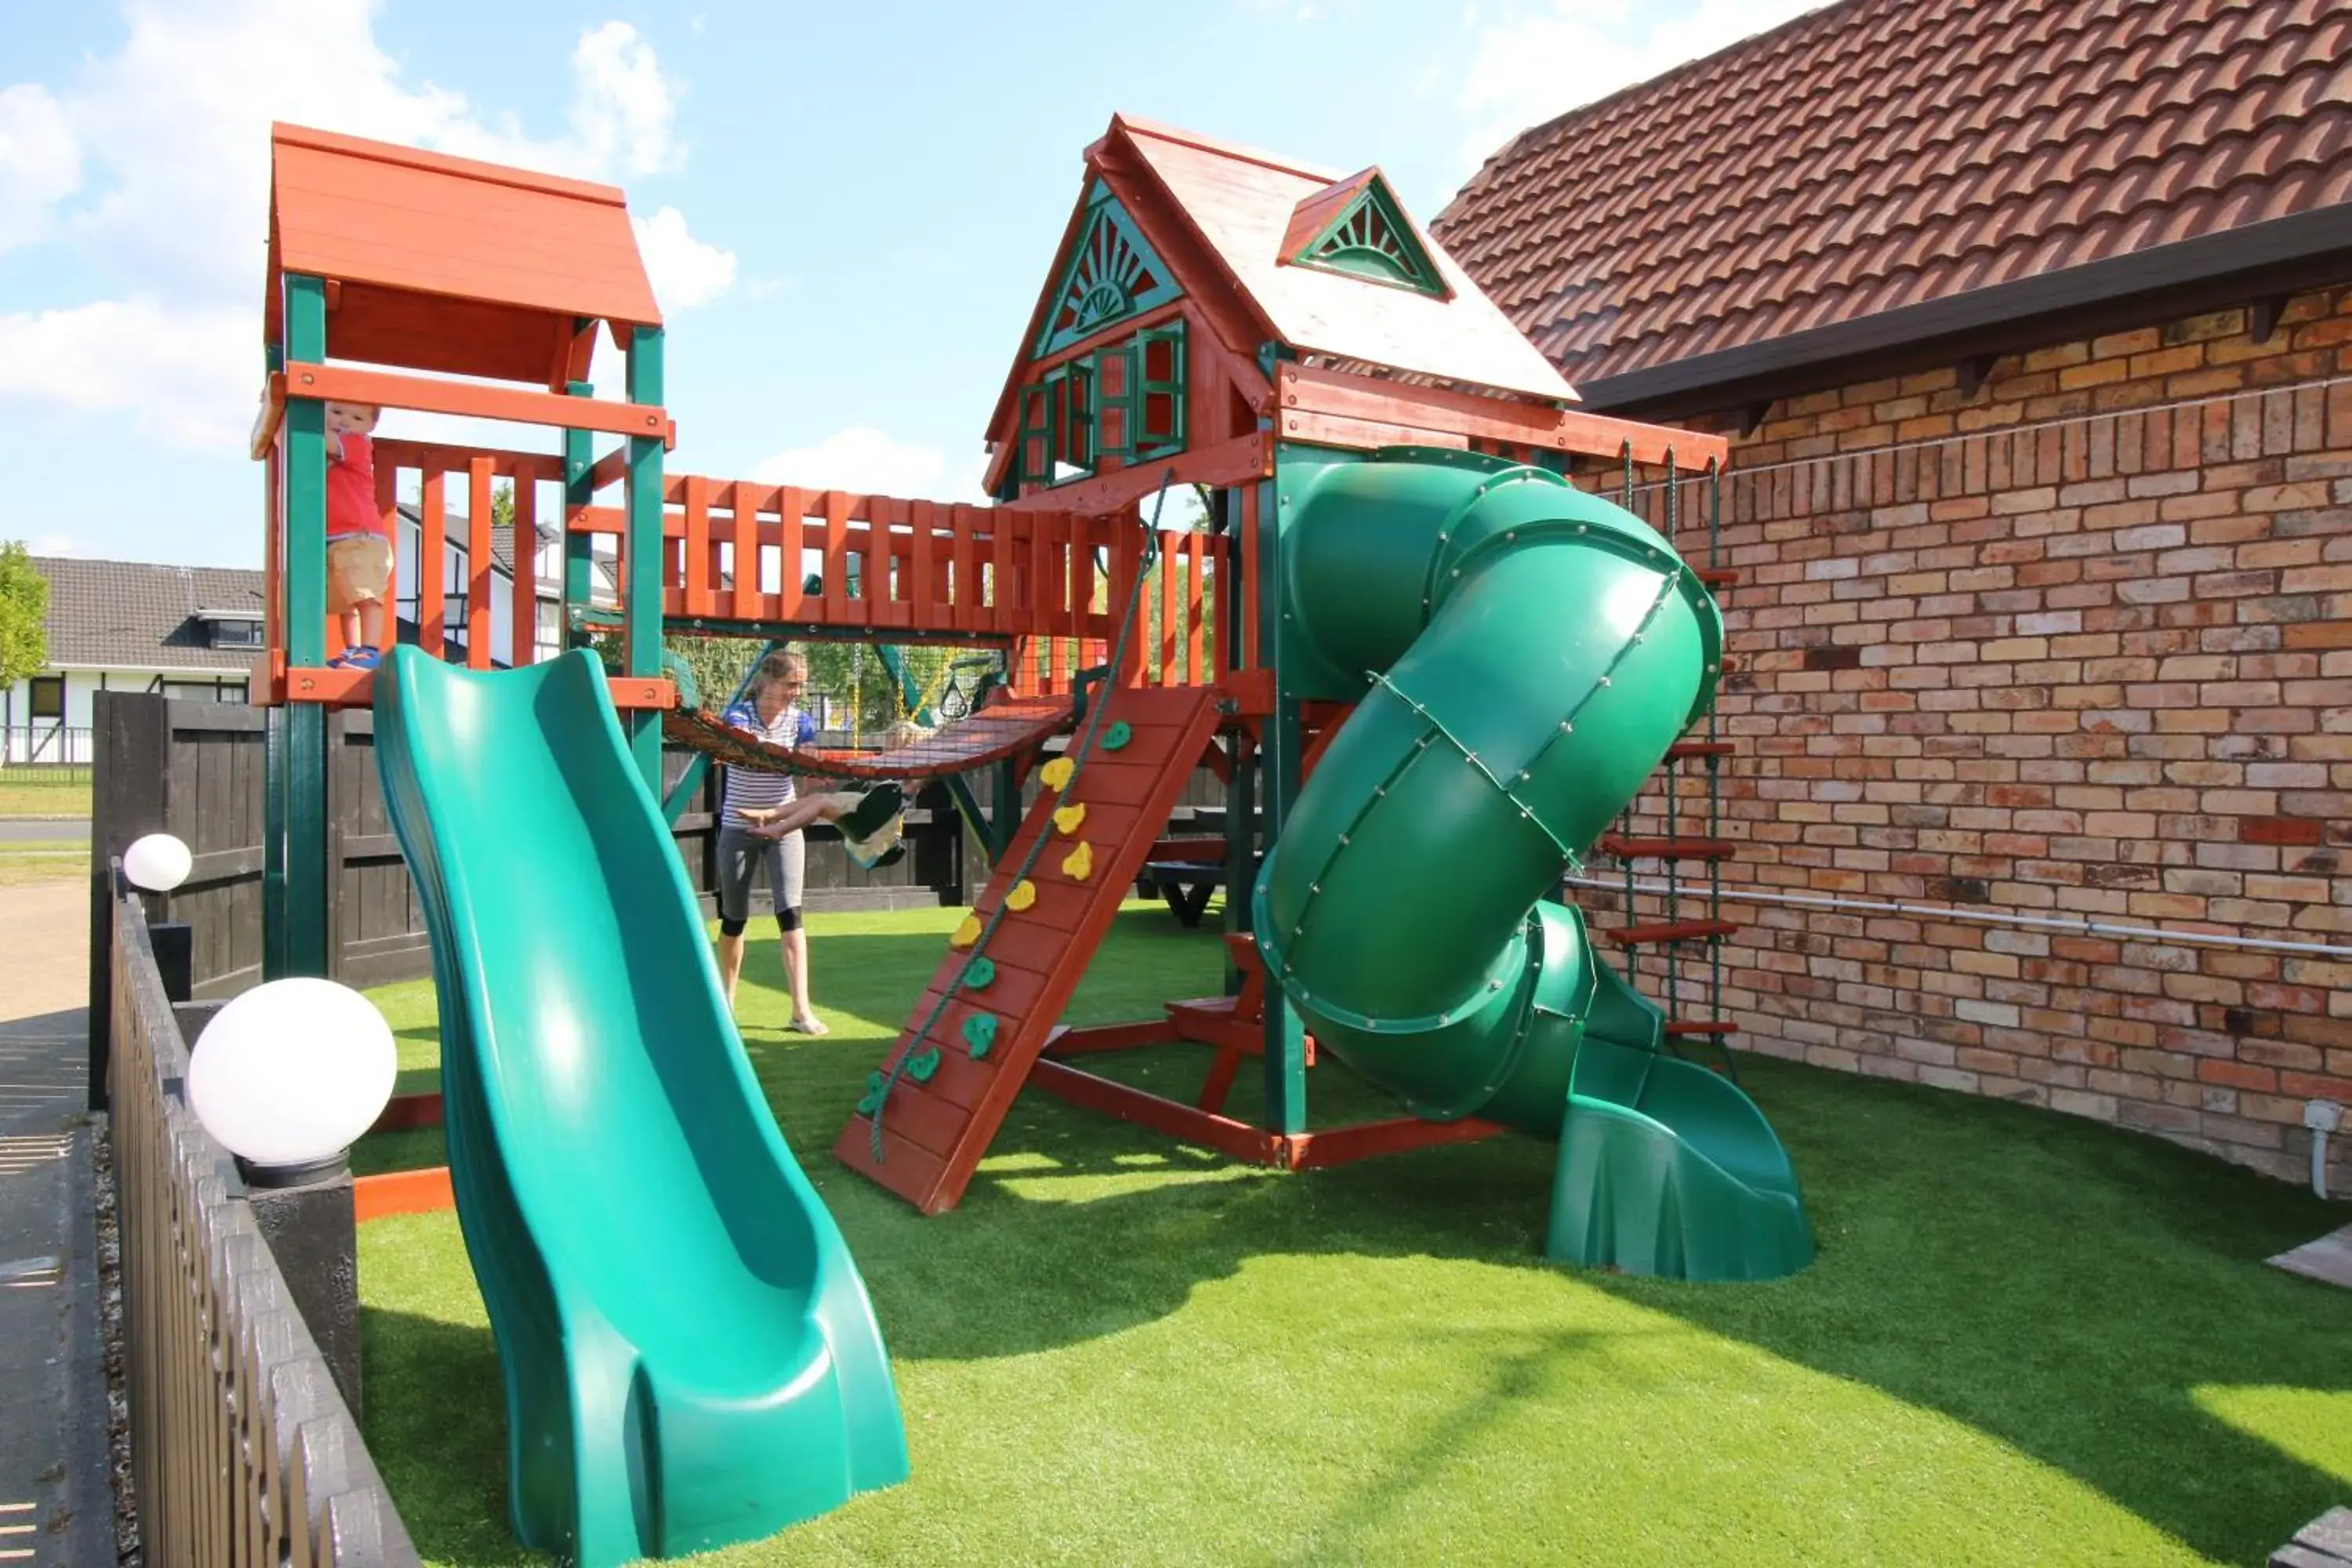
(359, 538)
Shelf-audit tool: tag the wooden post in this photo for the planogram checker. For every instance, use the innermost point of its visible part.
(130, 793)
(579, 549)
(296, 942)
(1286, 1040)
(643, 555)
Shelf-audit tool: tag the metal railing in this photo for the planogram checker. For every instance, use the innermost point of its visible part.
(243, 1454)
(48, 750)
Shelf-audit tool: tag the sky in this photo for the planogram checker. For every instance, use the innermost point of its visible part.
(846, 211)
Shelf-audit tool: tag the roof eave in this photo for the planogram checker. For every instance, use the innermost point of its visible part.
(2231, 267)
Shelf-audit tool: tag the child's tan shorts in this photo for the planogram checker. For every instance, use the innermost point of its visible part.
(359, 570)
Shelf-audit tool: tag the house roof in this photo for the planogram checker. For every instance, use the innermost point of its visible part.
(447, 264)
(1885, 170)
(128, 615)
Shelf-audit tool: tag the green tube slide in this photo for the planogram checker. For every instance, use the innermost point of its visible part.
(688, 1352)
(1527, 653)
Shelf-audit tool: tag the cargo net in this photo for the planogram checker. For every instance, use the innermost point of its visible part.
(899, 713)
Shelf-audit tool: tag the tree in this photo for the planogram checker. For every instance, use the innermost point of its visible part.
(24, 615)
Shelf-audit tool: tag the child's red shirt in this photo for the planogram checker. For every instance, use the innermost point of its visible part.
(351, 493)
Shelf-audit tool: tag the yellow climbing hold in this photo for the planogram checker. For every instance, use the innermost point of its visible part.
(1023, 894)
(966, 933)
(1080, 865)
(1056, 775)
(1067, 819)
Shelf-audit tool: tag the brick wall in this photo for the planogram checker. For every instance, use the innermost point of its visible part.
(2076, 646)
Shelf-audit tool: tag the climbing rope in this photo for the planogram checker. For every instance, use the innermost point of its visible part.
(921, 1059)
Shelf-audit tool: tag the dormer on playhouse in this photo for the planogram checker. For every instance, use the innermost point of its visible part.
(1189, 270)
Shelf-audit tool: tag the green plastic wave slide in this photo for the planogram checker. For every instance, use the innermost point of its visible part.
(688, 1352)
(1525, 653)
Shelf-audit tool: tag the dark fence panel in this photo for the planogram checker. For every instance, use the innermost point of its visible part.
(243, 1454)
(198, 770)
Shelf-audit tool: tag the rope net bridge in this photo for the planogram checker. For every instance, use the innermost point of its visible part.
(910, 751)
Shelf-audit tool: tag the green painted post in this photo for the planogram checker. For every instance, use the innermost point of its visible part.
(643, 589)
(579, 549)
(298, 941)
(1285, 1042)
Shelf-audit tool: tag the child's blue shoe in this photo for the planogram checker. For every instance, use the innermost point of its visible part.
(357, 658)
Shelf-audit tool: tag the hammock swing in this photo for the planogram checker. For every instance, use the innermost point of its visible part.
(973, 733)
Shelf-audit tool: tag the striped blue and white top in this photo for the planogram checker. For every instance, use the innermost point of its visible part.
(750, 791)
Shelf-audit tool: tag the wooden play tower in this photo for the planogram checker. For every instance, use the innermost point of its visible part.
(1214, 317)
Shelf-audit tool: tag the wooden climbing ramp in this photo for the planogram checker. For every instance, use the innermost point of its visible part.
(937, 1121)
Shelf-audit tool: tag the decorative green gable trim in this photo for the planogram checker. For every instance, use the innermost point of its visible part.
(1371, 240)
(1112, 273)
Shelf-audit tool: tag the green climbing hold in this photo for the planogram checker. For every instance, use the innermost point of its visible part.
(979, 1034)
(979, 973)
(923, 1064)
(877, 1087)
(1116, 736)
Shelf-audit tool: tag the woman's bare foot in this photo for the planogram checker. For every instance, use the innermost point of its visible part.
(810, 1024)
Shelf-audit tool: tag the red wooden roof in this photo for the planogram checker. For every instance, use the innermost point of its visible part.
(1241, 202)
(445, 263)
(1220, 213)
(1879, 154)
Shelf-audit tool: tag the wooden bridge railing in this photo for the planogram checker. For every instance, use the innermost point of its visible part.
(739, 553)
(243, 1454)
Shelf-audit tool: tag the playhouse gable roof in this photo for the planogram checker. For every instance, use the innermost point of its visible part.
(1248, 236)
(1244, 205)
(443, 263)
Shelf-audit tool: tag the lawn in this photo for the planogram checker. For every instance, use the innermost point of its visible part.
(43, 797)
(26, 862)
(2027, 1340)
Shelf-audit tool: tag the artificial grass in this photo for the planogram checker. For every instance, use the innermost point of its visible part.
(2028, 1339)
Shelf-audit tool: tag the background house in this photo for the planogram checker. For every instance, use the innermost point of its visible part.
(2032, 322)
(187, 632)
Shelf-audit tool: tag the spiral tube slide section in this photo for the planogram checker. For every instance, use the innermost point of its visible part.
(1527, 653)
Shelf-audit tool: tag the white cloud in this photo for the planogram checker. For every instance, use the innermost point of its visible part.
(190, 377)
(685, 271)
(40, 164)
(623, 115)
(155, 163)
(868, 462)
(1531, 66)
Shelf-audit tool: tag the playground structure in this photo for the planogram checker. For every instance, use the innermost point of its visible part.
(1429, 668)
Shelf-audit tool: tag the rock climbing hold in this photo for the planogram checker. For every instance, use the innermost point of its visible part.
(877, 1087)
(1116, 736)
(1055, 775)
(1079, 864)
(980, 1035)
(1067, 819)
(923, 1064)
(979, 975)
(965, 935)
(1023, 894)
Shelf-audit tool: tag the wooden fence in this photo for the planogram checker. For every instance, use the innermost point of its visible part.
(198, 771)
(242, 1450)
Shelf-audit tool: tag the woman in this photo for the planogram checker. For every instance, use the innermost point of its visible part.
(760, 822)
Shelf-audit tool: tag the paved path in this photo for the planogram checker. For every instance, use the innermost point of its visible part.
(44, 829)
(55, 1503)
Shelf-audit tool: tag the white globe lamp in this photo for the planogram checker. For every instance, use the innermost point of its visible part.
(157, 863)
(288, 1075)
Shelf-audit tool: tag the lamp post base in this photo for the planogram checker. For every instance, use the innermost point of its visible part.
(305, 1215)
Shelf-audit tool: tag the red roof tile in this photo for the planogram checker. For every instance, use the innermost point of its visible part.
(1882, 154)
